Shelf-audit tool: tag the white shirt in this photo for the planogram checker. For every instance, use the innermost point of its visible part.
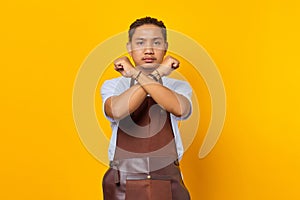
(117, 86)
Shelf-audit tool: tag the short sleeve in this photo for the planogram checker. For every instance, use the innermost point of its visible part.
(111, 88)
(183, 88)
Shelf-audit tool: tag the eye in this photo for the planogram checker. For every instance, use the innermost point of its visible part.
(139, 42)
(157, 43)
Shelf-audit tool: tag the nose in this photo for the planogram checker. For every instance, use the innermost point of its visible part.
(148, 50)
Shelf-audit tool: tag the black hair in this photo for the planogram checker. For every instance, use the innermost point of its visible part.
(147, 20)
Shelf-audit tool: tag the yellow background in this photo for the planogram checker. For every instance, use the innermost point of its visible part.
(255, 45)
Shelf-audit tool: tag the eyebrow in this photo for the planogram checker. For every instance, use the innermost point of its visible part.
(156, 38)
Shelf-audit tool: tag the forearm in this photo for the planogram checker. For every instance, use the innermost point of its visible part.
(171, 101)
(118, 107)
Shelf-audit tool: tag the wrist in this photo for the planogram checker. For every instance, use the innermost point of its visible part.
(136, 75)
(161, 70)
(156, 74)
(155, 78)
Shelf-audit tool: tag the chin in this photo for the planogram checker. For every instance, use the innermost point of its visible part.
(149, 65)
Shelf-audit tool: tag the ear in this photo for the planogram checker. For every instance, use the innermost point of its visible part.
(166, 47)
(129, 48)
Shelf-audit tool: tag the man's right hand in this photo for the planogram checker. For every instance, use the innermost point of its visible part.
(124, 66)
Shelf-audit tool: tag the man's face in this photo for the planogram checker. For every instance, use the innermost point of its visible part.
(148, 46)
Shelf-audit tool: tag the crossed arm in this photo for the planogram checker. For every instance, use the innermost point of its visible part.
(118, 107)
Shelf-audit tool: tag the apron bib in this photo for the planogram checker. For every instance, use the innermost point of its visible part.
(145, 165)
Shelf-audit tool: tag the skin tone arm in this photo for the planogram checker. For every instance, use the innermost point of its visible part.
(120, 106)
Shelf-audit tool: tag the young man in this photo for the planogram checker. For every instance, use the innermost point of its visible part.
(144, 106)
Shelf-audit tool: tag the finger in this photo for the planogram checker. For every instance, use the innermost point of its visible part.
(119, 67)
(175, 65)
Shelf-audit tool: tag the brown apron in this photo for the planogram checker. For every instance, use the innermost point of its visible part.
(145, 165)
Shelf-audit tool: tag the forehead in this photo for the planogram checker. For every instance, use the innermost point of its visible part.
(147, 31)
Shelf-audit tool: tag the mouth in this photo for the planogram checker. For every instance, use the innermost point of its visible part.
(149, 59)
